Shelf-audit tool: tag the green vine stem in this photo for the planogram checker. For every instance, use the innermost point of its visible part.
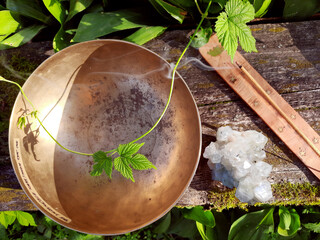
(204, 15)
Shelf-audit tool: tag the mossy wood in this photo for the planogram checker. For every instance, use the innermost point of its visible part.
(288, 58)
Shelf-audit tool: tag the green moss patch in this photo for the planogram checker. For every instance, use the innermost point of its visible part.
(284, 194)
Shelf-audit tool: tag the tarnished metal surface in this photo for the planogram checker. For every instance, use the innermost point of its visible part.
(94, 96)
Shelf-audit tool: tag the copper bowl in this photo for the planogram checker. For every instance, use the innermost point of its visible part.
(93, 96)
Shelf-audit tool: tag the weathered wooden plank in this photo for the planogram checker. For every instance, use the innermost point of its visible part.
(288, 57)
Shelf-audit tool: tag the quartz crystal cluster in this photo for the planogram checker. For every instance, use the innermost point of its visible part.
(236, 159)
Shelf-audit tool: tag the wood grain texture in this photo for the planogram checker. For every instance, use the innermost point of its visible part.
(288, 58)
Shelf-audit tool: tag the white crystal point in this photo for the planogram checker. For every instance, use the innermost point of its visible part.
(245, 191)
(262, 169)
(225, 134)
(263, 191)
(212, 153)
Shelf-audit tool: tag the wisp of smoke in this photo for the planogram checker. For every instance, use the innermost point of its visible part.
(196, 62)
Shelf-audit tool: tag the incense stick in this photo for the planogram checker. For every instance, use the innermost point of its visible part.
(271, 101)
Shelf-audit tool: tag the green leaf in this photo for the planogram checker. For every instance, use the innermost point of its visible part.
(231, 26)
(7, 218)
(93, 25)
(183, 3)
(56, 9)
(127, 150)
(122, 166)
(140, 162)
(2, 7)
(77, 6)
(164, 224)
(25, 219)
(61, 40)
(298, 9)
(254, 226)
(261, 7)
(314, 227)
(201, 37)
(181, 226)
(289, 222)
(10, 26)
(3, 233)
(102, 162)
(28, 8)
(198, 214)
(175, 12)
(21, 37)
(206, 233)
(145, 34)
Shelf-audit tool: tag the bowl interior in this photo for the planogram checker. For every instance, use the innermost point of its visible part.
(94, 96)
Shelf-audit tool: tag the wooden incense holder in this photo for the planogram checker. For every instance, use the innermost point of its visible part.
(289, 126)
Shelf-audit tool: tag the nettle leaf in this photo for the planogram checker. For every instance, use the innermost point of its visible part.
(231, 27)
(315, 227)
(141, 162)
(289, 222)
(127, 150)
(121, 164)
(102, 163)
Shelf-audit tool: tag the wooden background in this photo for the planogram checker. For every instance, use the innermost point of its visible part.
(288, 58)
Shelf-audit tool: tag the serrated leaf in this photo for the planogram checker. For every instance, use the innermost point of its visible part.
(231, 27)
(141, 162)
(127, 150)
(102, 163)
(315, 227)
(25, 219)
(122, 166)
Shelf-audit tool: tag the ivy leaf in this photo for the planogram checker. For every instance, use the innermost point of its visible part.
(121, 164)
(127, 150)
(102, 162)
(315, 227)
(231, 26)
(141, 162)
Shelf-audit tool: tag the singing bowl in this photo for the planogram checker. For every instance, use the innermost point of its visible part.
(94, 96)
